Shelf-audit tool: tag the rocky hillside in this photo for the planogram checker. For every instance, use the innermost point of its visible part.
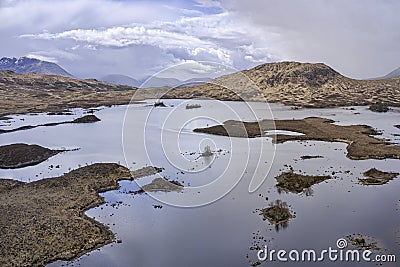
(24, 93)
(291, 83)
(26, 65)
(294, 83)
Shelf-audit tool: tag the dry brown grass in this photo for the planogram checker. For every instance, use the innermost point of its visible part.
(44, 221)
(361, 142)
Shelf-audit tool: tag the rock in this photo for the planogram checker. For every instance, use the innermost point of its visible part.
(86, 119)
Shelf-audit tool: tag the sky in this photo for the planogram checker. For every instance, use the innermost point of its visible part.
(138, 38)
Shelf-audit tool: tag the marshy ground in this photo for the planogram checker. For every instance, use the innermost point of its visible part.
(360, 138)
(44, 221)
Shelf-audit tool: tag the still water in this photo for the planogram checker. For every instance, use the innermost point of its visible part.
(220, 225)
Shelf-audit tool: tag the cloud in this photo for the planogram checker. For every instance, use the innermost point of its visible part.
(209, 37)
(152, 35)
(53, 55)
(40, 57)
(96, 37)
(208, 3)
(359, 38)
(199, 70)
(39, 15)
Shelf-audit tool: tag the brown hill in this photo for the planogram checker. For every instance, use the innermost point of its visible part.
(291, 83)
(294, 83)
(31, 92)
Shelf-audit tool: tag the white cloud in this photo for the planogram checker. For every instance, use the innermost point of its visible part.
(359, 38)
(53, 56)
(214, 37)
(190, 69)
(92, 37)
(40, 57)
(95, 37)
(208, 3)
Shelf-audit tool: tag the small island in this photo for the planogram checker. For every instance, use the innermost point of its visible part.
(277, 213)
(377, 177)
(22, 155)
(84, 119)
(162, 184)
(297, 183)
(360, 140)
(363, 242)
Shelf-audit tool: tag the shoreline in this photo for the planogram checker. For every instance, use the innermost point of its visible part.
(360, 140)
(94, 105)
(45, 221)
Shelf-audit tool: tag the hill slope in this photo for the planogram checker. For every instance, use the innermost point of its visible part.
(291, 83)
(26, 65)
(294, 83)
(32, 92)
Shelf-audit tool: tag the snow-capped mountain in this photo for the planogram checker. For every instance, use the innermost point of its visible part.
(26, 64)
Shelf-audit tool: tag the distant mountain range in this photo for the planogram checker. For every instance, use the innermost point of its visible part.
(292, 83)
(393, 74)
(151, 81)
(147, 82)
(26, 65)
(32, 65)
(120, 79)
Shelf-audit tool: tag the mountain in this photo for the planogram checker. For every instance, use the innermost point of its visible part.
(26, 65)
(294, 83)
(160, 82)
(120, 79)
(173, 82)
(393, 74)
(151, 81)
(291, 83)
(195, 81)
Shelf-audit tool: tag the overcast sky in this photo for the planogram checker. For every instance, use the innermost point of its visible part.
(92, 38)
